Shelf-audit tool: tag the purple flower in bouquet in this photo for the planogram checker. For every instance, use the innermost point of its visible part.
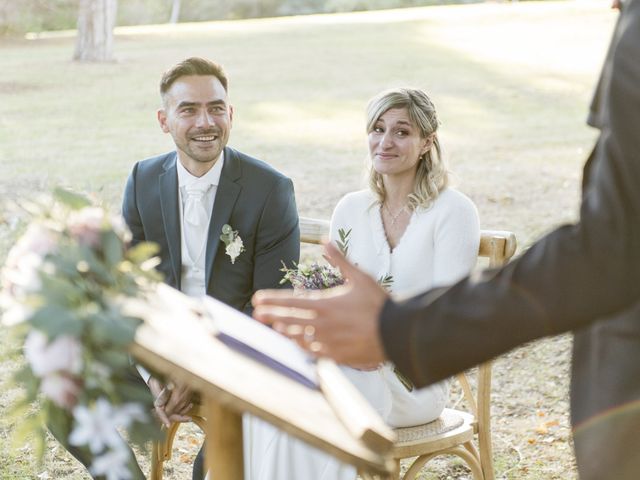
(315, 276)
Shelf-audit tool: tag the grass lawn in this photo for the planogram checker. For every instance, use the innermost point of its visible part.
(511, 82)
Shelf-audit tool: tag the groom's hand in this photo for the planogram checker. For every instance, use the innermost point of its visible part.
(172, 402)
(180, 403)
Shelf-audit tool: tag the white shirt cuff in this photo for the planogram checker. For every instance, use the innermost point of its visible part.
(144, 373)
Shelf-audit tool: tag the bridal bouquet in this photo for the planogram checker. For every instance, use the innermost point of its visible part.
(318, 276)
(314, 276)
(60, 286)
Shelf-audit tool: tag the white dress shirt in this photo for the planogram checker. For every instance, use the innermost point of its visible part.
(192, 280)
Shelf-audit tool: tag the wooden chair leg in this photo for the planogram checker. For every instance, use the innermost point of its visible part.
(413, 471)
(161, 451)
(396, 474)
(156, 462)
(470, 459)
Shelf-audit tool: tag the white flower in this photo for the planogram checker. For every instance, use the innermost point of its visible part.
(20, 274)
(36, 239)
(86, 225)
(62, 354)
(125, 414)
(235, 248)
(112, 464)
(95, 427)
(61, 389)
(96, 375)
(13, 312)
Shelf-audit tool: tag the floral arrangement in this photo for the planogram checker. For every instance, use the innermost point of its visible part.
(315, 276)
(318, 276)
(60, 288)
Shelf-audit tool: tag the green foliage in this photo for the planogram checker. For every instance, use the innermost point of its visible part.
(343, 242)
(71, 199)
(37, 15)
(386, 281)
(56, 320)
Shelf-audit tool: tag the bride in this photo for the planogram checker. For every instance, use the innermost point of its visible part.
(412, 232)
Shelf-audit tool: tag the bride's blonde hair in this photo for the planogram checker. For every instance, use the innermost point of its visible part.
(431, 174)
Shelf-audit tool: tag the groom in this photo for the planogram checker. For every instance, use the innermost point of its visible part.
(224, 221)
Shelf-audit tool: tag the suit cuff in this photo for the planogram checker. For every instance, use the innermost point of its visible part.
(395, 330)
(144, 373)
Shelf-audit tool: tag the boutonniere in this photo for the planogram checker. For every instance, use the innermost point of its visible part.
(233, 242)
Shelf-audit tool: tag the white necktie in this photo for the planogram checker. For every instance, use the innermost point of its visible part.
(196, 219)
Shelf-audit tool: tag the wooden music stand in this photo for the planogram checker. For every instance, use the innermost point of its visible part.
(176, 339)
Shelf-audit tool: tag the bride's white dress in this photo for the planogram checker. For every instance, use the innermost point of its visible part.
(439, 247)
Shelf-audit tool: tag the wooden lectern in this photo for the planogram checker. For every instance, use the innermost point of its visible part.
(176, 339)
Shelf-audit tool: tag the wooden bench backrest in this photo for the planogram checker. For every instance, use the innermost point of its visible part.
(496, 245)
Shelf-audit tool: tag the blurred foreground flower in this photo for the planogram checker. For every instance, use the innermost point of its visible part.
(60, 288)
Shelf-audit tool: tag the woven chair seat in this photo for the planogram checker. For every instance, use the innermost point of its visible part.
(447, 421)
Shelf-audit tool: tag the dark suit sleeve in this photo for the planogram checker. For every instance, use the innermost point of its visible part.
(278, 237)
(575, 275)
(130, 209)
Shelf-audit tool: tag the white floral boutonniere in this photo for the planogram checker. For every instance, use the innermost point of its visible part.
(233, 242)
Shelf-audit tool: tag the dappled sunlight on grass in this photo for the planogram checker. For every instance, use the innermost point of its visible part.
(311, 123)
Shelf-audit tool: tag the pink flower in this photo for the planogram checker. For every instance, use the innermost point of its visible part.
(86, 225)
(62, 354)
(20, 273)
(61, 389)
(37, 239)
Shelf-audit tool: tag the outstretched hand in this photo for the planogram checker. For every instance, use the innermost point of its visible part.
(340, 323)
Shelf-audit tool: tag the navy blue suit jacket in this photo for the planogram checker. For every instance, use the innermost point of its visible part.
(252, 198)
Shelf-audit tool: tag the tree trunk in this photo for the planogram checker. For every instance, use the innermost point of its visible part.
(175, 11)
(96, 20)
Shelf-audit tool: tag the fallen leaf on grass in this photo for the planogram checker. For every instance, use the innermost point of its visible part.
(543, 428)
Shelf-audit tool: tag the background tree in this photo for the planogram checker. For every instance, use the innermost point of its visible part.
(96, 20)
(175, 11)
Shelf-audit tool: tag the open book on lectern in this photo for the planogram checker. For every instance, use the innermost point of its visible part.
(242, 333)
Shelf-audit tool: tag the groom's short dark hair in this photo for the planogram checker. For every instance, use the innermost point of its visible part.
(192, 66)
